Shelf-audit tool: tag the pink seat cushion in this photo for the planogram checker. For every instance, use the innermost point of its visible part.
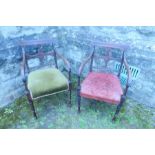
(103, 87)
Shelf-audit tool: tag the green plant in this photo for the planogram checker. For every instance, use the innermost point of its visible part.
(54, 112)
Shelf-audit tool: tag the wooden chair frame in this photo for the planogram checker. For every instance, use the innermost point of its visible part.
(25, 68)
(107, 58)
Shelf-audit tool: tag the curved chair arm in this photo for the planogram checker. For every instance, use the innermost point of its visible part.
(129, 76)
(66, 62)
(80, 71)
(84, 63)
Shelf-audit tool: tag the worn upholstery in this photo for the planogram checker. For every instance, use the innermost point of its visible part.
(103, 87)
(46, 81)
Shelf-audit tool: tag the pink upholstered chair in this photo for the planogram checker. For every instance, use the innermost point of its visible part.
(103, 86)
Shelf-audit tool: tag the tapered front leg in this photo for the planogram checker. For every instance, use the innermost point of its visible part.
(79, 100)
(78, 94)
(70, 88)
(123, 98)
(31, 105)
(70, 94)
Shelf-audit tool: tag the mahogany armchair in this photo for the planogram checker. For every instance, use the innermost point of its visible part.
(47, 81)
(103, 86)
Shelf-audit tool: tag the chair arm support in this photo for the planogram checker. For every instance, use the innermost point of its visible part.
(129, 76)
(66, 62)
(84, 63)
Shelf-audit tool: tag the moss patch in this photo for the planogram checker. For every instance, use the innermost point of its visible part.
(54, 113)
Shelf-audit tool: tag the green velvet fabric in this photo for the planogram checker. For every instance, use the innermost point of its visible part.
(46, 81)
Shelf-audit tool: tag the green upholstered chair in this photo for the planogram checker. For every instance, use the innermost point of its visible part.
(44, 81)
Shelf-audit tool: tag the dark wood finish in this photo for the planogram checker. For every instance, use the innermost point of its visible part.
(31, 104)
(55, 56)
(30, 100)
(106, 58)
(70, 87)
(92, 57)
(67, 64)
(123, 98)
(78, 94)
(84, 63)
(122, 60)
(40, 54)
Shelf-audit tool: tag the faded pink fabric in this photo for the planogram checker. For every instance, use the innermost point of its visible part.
(103, 87)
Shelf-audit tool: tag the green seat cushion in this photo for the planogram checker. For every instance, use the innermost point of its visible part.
(46, 81)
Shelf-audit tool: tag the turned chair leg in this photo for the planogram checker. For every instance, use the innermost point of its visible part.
(69, 96)
(32, 105)
(70, 88)
(79, 99)
(119, 108)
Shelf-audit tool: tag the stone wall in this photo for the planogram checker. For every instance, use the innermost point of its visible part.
(72, 45)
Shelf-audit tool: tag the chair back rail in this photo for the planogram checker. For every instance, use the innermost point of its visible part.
(40, 52)
(108, 57)
(39, 55)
